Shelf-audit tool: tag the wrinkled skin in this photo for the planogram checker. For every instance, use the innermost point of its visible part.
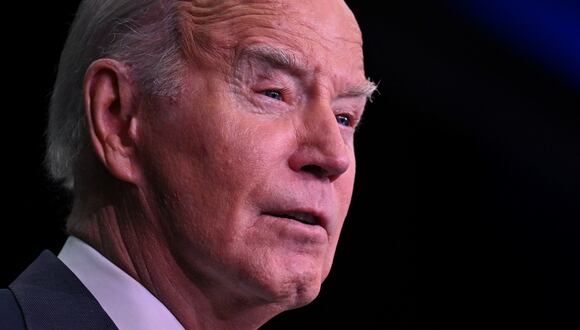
(265, 128)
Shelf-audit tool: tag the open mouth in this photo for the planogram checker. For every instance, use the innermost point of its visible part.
(305, 218)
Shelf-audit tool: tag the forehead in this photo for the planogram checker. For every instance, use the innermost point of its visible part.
(323, 31)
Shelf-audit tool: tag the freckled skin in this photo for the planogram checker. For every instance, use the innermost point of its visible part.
(220, 154)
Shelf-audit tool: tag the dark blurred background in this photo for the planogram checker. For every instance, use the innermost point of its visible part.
(467, 200)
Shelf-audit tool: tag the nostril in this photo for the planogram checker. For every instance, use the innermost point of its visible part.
(315, 170)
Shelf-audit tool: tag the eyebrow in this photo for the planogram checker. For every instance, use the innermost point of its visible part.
(275, 56)
(365, 89)
(286, 59)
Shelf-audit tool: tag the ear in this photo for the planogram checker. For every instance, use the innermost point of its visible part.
(109, 101)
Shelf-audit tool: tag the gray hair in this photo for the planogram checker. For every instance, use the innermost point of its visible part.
(139, 33)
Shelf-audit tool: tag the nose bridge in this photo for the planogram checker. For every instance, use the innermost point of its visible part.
(322, 130)
(322, 147)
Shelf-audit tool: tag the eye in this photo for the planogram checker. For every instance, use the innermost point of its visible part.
(272, 93)
(344, 120)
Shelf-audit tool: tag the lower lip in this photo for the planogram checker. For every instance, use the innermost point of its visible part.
(304, 232)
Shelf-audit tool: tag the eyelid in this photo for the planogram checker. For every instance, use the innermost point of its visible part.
(285, 93)
(352, 111)
(267, 91)
(353, 119)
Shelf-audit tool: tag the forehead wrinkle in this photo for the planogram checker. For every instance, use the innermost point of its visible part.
(227, 11)
(322, 26)
(213, 25)
(353, 36)
(217, 29)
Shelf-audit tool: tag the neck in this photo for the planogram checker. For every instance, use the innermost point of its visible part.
(125, 230)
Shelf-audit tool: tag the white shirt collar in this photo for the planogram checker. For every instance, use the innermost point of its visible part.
(128, 303)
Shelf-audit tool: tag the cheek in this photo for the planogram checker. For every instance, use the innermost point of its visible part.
(213, 159)
(257, 145)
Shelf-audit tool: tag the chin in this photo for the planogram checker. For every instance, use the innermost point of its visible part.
(305, 296)
(297, 290)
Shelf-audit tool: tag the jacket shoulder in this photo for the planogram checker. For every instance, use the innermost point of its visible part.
(10, 312)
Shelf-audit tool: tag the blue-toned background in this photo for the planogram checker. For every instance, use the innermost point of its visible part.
(545, 32)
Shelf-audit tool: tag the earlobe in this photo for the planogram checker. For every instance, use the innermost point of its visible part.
(110, 114)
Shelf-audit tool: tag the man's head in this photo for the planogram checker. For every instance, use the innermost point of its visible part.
(238, 167)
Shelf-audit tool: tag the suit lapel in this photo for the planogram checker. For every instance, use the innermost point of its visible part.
(52, 297)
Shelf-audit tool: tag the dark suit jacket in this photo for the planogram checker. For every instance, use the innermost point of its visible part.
(47, 295)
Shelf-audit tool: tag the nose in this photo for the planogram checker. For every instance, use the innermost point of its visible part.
(322, 151)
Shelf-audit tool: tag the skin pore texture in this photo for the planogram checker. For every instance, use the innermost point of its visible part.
(227, 200)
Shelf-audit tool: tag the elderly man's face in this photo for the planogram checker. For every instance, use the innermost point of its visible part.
(251, 168)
